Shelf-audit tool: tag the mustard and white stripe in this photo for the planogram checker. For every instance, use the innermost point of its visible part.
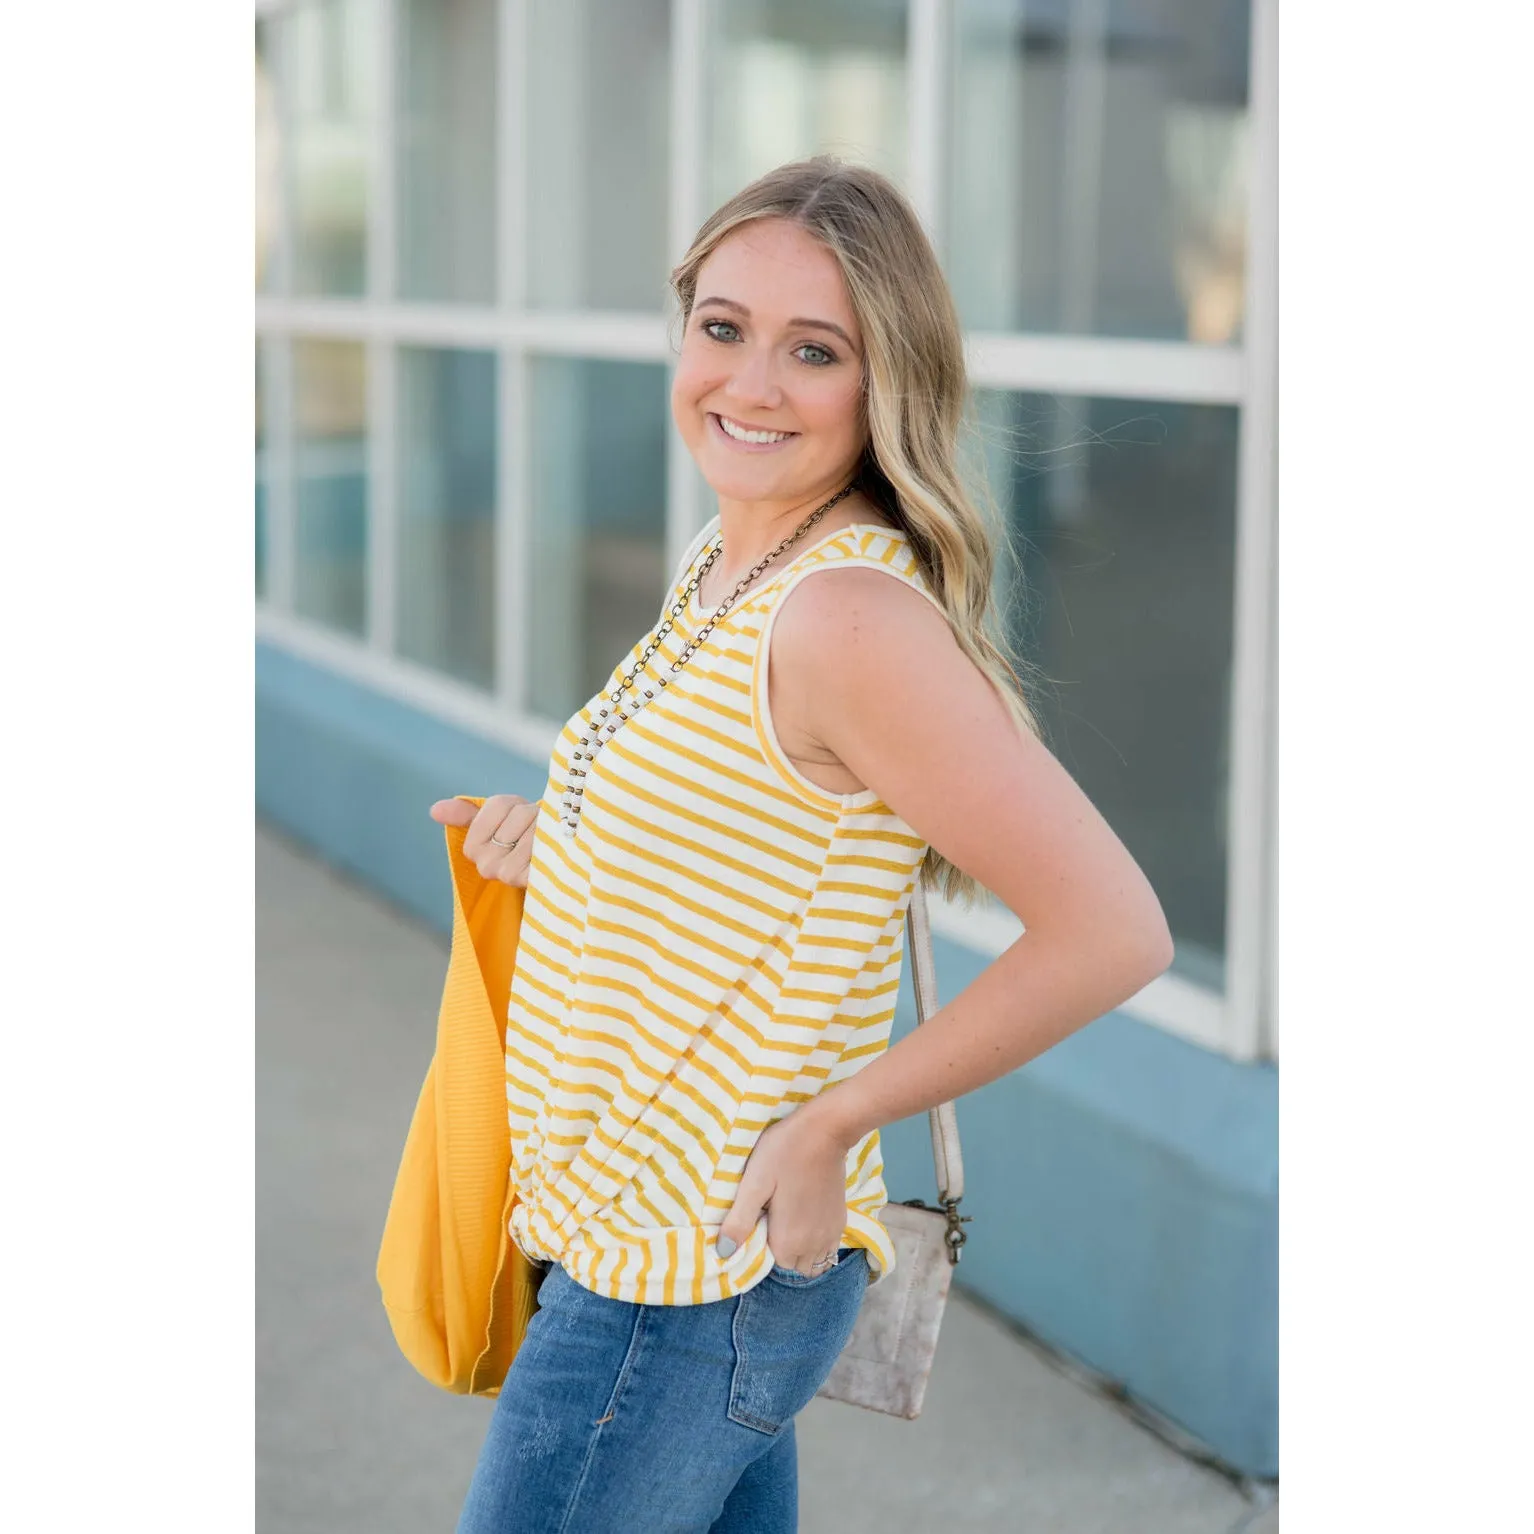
(721, 941)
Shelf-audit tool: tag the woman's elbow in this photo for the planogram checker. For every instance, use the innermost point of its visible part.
(1148, 935)
(1159, 948)
(1147, 943)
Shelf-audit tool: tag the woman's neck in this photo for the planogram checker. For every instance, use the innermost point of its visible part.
(750, 530)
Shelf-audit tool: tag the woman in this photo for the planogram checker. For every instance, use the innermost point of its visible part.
(717, 877)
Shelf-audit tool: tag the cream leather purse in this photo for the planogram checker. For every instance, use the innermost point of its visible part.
(888, 1358)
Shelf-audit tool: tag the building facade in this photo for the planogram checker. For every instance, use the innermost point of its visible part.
(469, 496)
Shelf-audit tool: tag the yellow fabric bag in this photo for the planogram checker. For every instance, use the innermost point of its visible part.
(457, 1289)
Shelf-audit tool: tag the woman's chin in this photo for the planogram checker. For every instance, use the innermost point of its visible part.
(744, 482)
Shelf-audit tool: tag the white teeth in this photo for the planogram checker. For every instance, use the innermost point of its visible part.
(740, 433)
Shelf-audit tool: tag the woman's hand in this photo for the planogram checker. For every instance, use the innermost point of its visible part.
(797, 1171)
(506, 817)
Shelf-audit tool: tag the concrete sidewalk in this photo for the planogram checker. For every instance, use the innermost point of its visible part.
(348, 1437)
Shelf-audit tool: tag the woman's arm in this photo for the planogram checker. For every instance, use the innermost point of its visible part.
(884, 685)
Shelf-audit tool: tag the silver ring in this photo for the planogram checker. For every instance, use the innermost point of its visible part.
(504, 846)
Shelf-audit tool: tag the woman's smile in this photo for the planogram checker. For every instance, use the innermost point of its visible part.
(748, 438)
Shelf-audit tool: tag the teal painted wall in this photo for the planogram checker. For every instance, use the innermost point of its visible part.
(1123, 1187)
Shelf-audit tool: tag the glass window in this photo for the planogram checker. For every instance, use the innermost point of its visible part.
(447, 491)
(1121, 516)
(330, 483)
(598, 136)
(1098, 181)
(790, 78)
(598, 535)
(262, 474)
(445, 143)
(326, 108)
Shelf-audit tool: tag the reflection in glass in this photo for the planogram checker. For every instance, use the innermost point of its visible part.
(446, 149)
(262, 473)
(598, 133)
(330, 483)
(326, 97)
(447, 479)
(1122, 516)
(1099, 175)
(790, 80)
(598, 539)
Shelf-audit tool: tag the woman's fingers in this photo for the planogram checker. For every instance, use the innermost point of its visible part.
(508, 827)
(487, 823)
(519, 828)
(502, 818)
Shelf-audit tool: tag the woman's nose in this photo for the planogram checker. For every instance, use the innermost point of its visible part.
(753, 379)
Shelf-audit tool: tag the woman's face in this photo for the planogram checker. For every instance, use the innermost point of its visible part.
(773, 349)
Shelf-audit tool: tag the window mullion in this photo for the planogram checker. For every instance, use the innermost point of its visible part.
(513, 503)
(382, 357)
(383, 493)
(1252, 703)
(686, 502)
(277, 379)
(513, 529)
(280, 73)
(280, 493)
(929, 67)
(382, 243)
(1267, 1033)
(511, 155)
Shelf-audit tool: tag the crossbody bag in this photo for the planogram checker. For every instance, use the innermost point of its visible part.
(888, 1358)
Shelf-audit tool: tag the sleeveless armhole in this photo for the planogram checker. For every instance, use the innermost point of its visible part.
(761, 714)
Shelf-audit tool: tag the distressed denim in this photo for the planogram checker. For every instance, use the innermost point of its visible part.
(618, 1418)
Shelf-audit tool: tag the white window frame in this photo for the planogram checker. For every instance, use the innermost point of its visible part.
(1241, 1023)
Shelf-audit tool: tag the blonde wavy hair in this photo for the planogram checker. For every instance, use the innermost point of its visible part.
(915, 395)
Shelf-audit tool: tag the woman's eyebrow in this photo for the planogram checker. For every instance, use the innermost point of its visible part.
(729, 303)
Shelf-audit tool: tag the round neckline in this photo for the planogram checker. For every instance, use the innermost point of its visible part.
(693, 608)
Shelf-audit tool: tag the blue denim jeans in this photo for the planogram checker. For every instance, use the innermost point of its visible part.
(661, 1419)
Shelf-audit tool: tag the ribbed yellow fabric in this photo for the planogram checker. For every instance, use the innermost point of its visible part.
(721, 941)
(458, 1292)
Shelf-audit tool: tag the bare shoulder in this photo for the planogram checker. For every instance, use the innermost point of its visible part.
(850, 630)
(840, 610)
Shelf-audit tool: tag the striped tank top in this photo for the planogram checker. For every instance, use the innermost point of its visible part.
(720, 942)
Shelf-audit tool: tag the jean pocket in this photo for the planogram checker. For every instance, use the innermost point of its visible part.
(788, 1332)
(552, 1284)
(782, 1275)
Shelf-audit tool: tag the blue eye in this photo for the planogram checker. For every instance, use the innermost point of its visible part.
(825, 360)
(708, 327)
